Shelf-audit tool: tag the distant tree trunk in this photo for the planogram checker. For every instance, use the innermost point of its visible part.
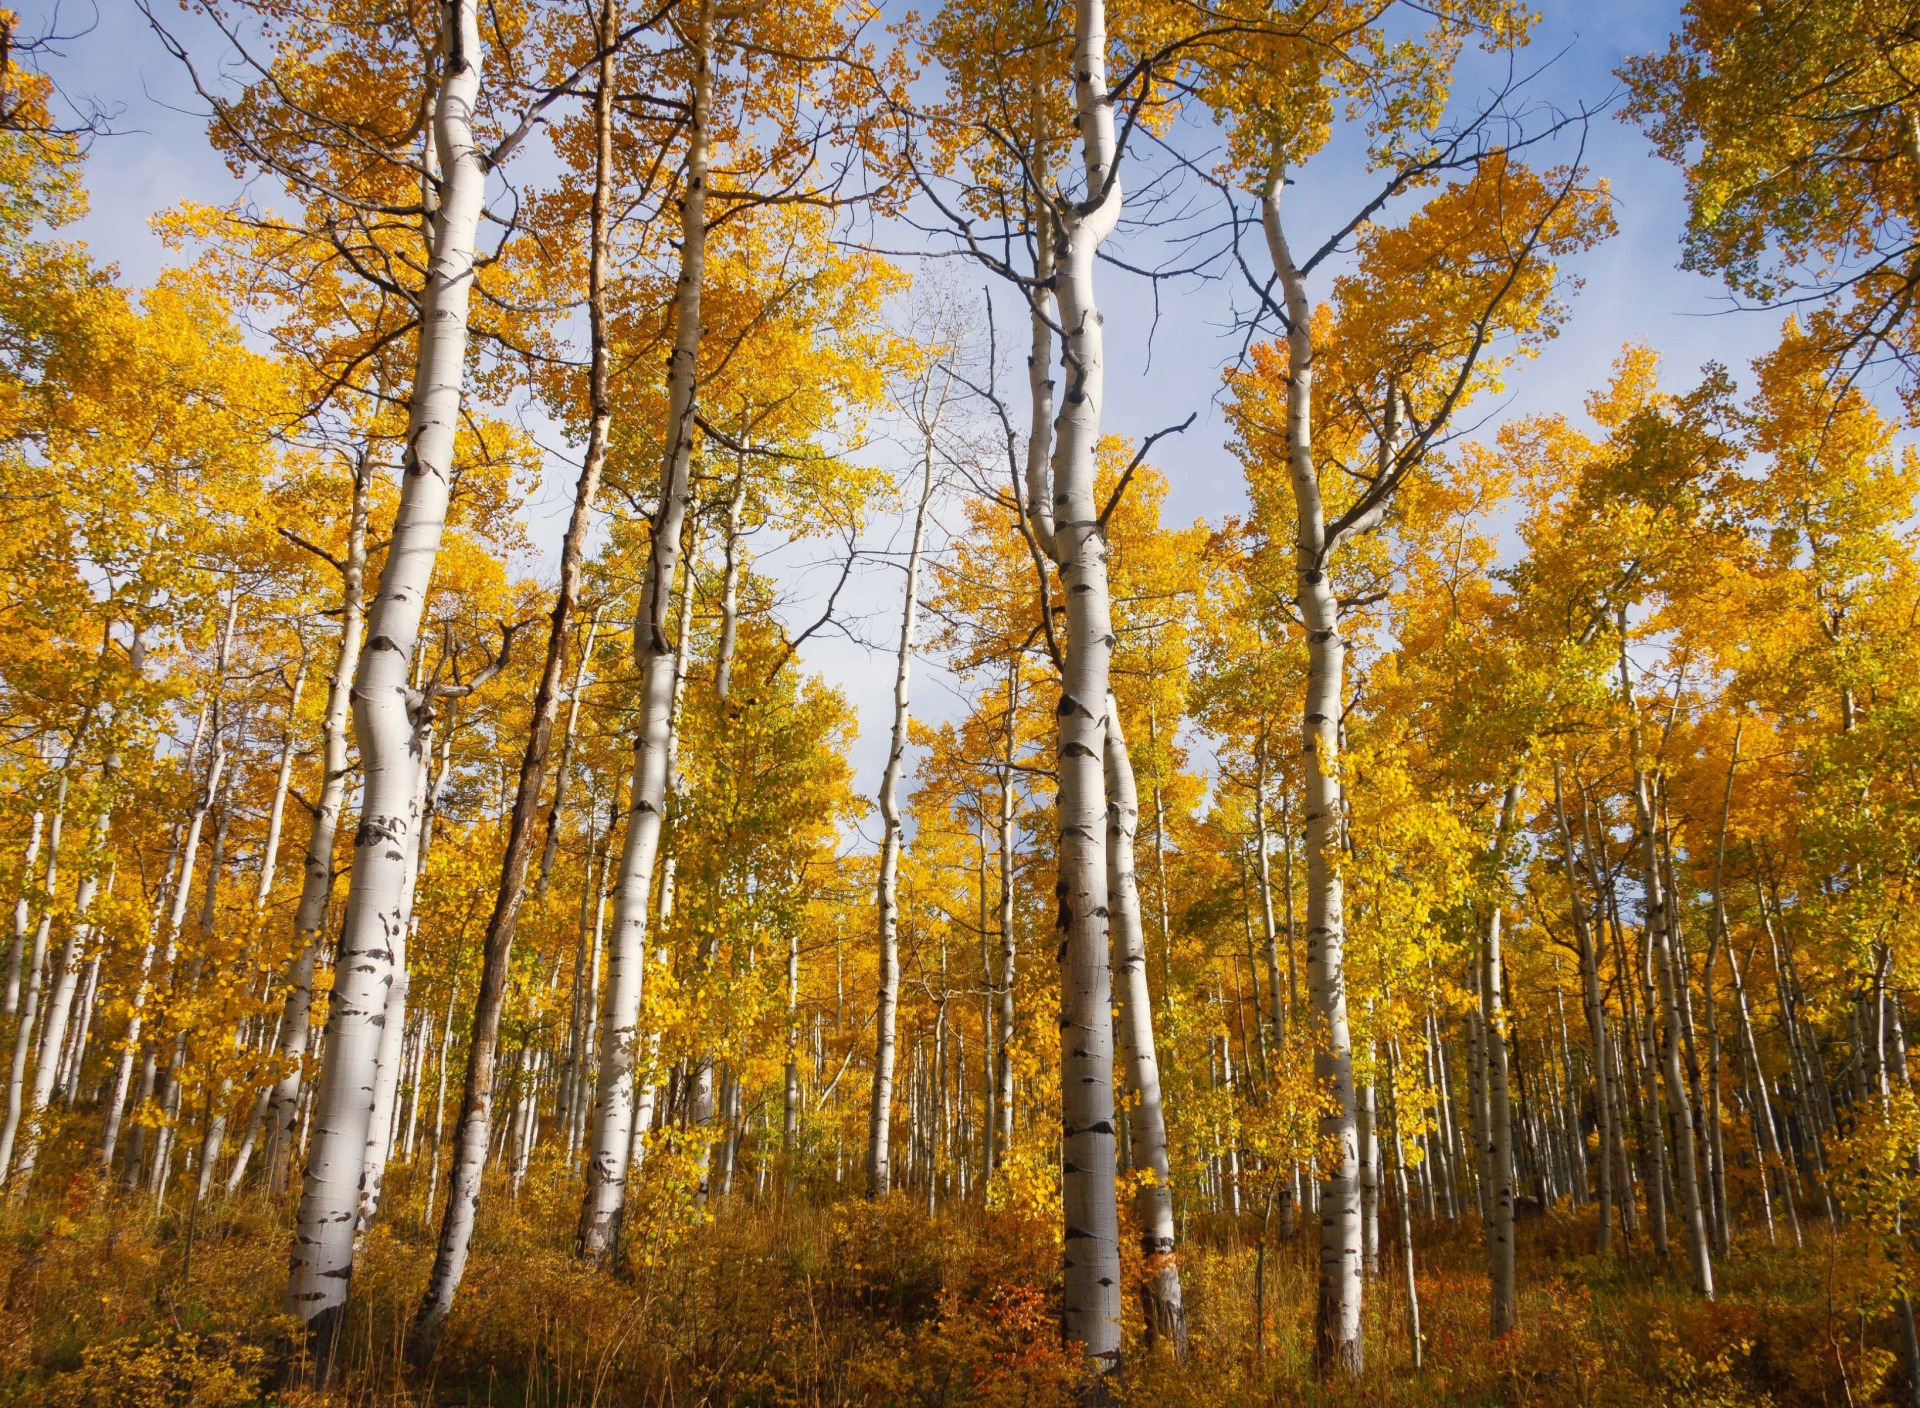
(1499, 1161)
(1009, 949)
(1594, 1002)
(67, 977)
(23, 915)
(176, 917)
(611, 1145)
(1269, 929)
(563, 769)
(1406, 1207)
(322, 1261)
(36, 978)
(263, 891)
(887, 998)
(296, 1016)
(1669, 978)
(1153, 1204)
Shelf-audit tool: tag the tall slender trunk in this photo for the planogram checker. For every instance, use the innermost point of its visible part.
(1717, 939)
(176, 917)
(440, 1103)
(1669, 980)
(1337, 1333)
(322, 1261)
(1595, 1004)
(1499, 1160)
(563, 768)
(36, 978)
(473, 1129)
(1009, 949)
(316, 888)
(1153, 1204)
(887, 998)
(386, 1077)
(23, 914)
(1269, 929)
(80, 933)
(263, 891)
(1090, 1213)
(611, 1147)
(1406, 1208)
(1773, 1157)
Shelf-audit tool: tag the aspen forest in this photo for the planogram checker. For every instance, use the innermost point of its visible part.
(1008, 702)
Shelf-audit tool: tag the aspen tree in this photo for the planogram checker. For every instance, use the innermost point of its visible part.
(926, 410)
(473, 1127)
(612, 1140)
(322, 1262)
(317, 869)
(1153, 1205)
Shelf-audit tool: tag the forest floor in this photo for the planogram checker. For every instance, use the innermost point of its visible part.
(109, 1304)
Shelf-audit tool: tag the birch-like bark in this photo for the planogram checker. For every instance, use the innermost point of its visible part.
(1270, 930)
(1153, 1205)
(215, 1134)
(610, 1148)
(36, 979)
(1669, 979)
(80, 931)
(1337, 1335)
(386, 1079)
(886, 899)
(1594, 1002)
(440, 1103)
(23, 914)
(322, 1261)
(1406, 1207)
(1090, 1213)
(1718, 938)
(1499, 1132)
(316, 885)
(1009, 949)
(563, 769)
(730, 589)
(143, 987)
(473, 1129)
(1773, 1157)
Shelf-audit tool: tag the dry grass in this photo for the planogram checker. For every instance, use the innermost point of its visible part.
(824, 1302)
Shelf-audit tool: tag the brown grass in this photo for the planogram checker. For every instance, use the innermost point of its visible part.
(840, 1302)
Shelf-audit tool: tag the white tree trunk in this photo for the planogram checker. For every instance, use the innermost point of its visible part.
(563, 769)
(1009, 948)
(80, 934)
(36, 981)
(386, 1080)
(316, 886)
(1665, 989)
(610, 1147)
(22, 914)
(1271, 931)
(322, 1260)
(887, 998)
(1593, 1000)
(1337, 1341)
(130, 1045)
(1091, 1309)
(1498, 1161)
(263, 891)
(1153, 1205)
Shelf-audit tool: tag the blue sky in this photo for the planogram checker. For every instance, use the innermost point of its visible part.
(1632, 287)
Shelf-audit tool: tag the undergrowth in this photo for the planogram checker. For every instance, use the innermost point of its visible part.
(109, 1303)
